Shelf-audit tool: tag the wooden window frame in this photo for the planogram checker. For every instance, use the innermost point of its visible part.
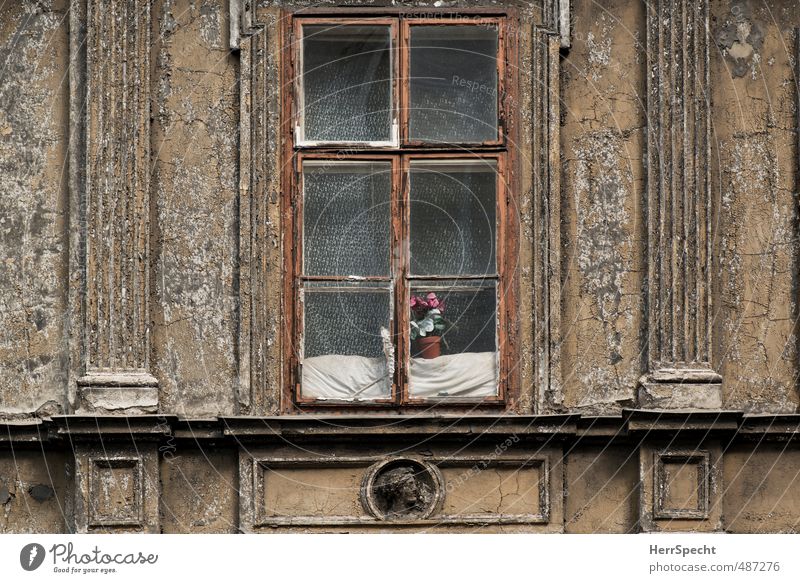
(401, 154)
(297, 56)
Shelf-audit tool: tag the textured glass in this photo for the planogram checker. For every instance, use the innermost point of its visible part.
(345, 319)
(453, 216)
(347, 83)
(453, 84)
(347, 350)
(466, 366)
(470, 313)
(346, 218)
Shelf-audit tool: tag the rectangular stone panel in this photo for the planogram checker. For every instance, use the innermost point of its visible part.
(682, 483)
(510, 490)
(680, 488)
(286, 491)
(351, 491)
(115, 488)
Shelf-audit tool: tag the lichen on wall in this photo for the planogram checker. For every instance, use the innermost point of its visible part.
(33, 139)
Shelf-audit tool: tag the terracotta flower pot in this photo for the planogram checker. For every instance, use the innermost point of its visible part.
(428, 347)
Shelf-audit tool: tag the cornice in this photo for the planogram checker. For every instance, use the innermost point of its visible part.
(631, 425)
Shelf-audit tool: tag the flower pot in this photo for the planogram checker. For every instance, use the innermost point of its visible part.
(428, 347)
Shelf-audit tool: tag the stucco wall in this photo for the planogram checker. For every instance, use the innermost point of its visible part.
(206, 99)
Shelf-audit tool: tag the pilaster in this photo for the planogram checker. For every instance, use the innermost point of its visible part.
(114, 210)
(680, 372)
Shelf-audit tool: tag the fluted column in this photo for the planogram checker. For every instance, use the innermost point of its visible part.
(116, 210)
(680, 372)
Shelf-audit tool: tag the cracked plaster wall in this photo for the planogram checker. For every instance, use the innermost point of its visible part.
(603, 190)
(754, 190)
(34, 54)
(194, 246)
(195, 173)
(754, 166)
(33, 492)
(194, 232)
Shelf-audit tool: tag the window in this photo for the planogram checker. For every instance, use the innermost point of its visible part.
(400, 230)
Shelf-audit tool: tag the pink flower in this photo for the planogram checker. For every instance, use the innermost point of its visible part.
(419, 306)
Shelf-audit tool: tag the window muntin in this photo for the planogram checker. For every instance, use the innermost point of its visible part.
(448, 215)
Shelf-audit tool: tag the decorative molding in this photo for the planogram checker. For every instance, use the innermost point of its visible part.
(115, 206)
(260, 246)
(665, 506)
(241, 21)
(299, 428)
(541, 463)
(116, 486)
(116, 491)
(76, 289)
(259, 431)
(679, 485)
(546, 177)
(255, 517)
(254, 514)
(679, 209)
(426, 476)
(557, 20)
(257, 33)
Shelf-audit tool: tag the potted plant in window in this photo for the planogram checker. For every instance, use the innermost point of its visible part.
(427, 325)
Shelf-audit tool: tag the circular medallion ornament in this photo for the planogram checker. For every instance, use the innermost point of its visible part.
(402, 489)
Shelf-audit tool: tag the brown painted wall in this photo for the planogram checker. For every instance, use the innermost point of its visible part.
(603, 471)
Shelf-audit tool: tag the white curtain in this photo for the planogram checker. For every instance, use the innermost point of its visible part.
(345, 377)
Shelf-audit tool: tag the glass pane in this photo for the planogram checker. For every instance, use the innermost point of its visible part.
(347, 83)
(453, 84)
(453, 216)
(453, 339)
(346, 218)
(347, 349)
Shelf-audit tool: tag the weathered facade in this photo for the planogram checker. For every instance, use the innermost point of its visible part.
(145, 383)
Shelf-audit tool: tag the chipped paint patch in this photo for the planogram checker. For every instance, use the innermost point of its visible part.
(740, 38)
(601, 192)
(211, 24)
